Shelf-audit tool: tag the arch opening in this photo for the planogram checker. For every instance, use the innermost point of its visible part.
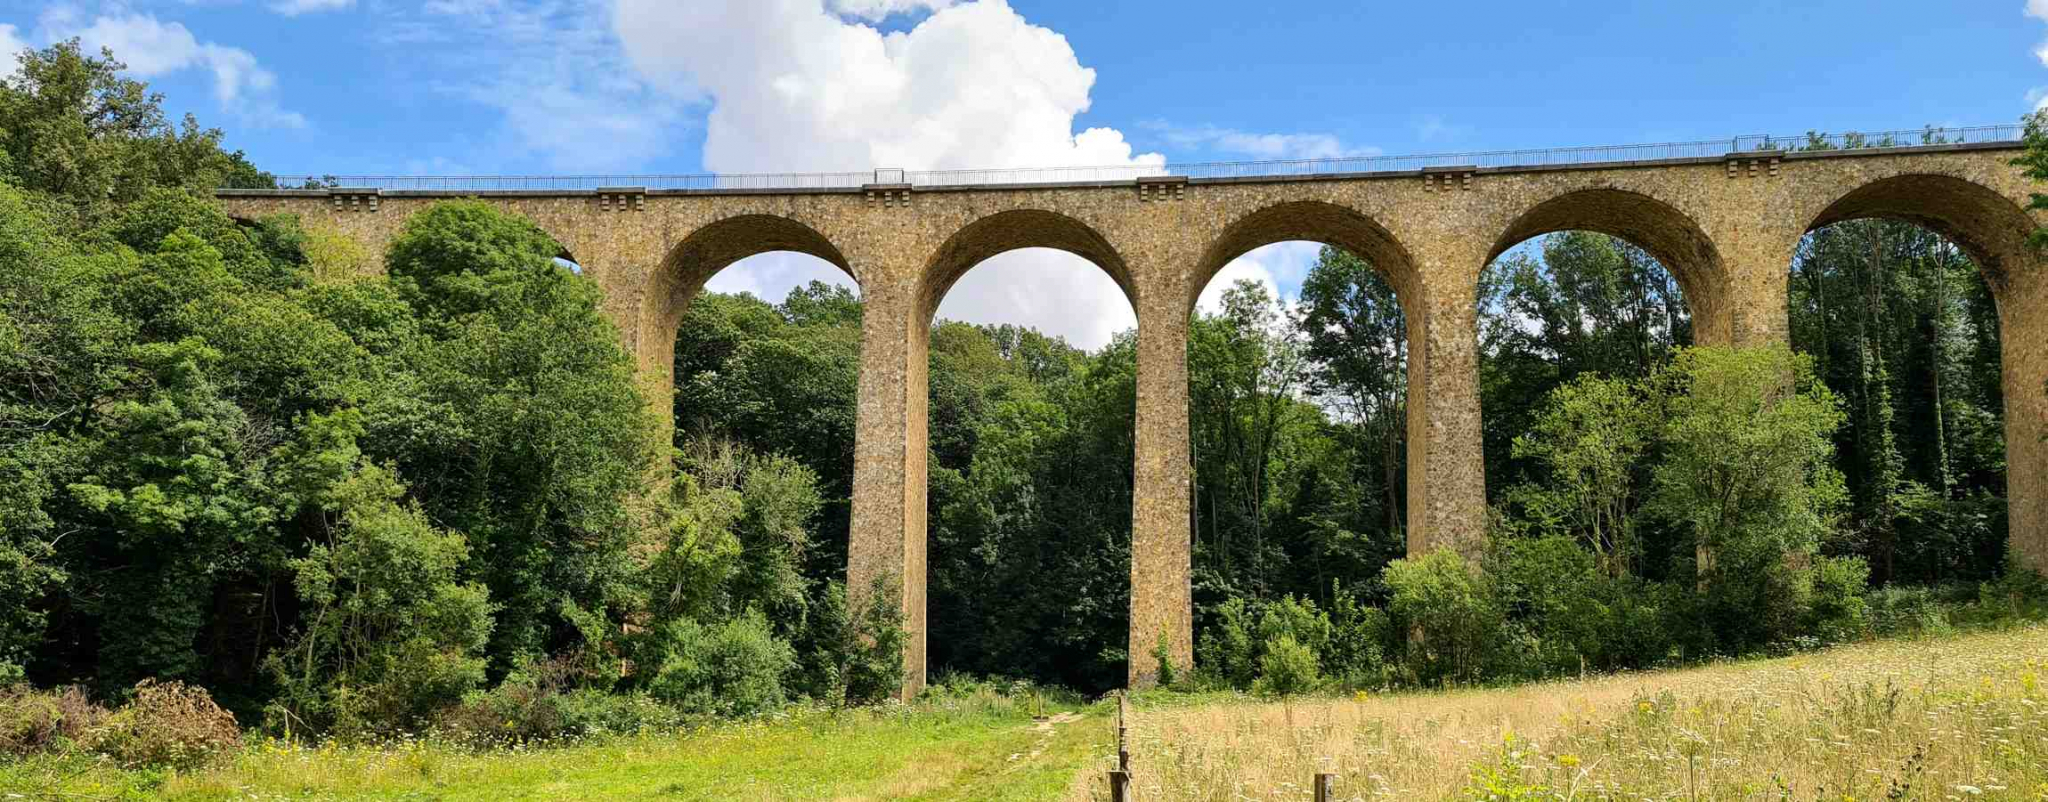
(1303, 325)
(761, 355)
(1028, 419)
(1899, 293)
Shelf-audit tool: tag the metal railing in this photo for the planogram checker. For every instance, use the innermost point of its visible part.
(1551, 157)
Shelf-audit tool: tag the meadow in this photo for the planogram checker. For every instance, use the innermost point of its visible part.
(1951, 718)
(980, 747)
(1961, 717)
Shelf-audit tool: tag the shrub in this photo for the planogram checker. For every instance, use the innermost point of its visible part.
(166, 725)
(1288, 668)
(541, 702)
(1554, 587)
(1449, 610)
(1162, 656)
(1226, 649)
(731, 669)
(1896, 610)
(34, 722)
(1357, 654)
(1296, 618)
(1837, 611)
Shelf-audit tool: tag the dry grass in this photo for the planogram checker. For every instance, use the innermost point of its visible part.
(1960, 718)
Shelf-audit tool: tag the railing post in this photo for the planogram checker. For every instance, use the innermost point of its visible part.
(1326, 787)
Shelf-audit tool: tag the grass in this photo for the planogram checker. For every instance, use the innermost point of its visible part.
(932, 751)
(1957, 718)
(1952, 718)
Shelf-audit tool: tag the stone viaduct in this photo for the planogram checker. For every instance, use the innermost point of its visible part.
(1727, 227)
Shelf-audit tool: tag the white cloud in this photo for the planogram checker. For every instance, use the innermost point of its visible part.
(293, 8)
(11, 46)
(795, 85)
(771, 276)
(151, 48)
(1281, 267)
(2038, 98)
(1055, 292)
(2038, 9)
(1259, 145)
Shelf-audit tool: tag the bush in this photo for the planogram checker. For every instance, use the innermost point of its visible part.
(1896, 610)
(1288, 668)
(166, 725)
(1450, 611)
(1554, 587)
(1359, 633)
(729, 669)
(33, 722)
(1837, 611)
(541, 702)
(1226, 651)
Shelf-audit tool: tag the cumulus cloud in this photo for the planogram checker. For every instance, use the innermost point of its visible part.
(1258, 145)
(151, 47)
(803, 85)
(2038, 9)
(797, 87)
(1280, 267)
(11, 46)
(293, 8)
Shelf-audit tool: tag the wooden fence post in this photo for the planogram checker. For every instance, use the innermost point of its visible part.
(1326, 787)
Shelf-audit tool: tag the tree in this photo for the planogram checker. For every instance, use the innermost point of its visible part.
(72, 127)
(1591, 437)
(517, 420)
(1745, 468)
(2035, 161)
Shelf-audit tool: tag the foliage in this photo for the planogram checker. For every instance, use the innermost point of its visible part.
(734, 668)
(1450, 609)
(391, 635)
(1288, 668)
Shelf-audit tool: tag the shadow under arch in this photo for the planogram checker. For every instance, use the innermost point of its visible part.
(1990, 228)
(1314, 221)
(1016, 229)
(1670, 236)
(699, 256)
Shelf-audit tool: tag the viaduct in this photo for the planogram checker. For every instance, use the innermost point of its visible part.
(1725, 217)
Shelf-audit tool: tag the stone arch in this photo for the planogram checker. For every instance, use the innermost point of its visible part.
(1993, 229)
(1667, 233)
(1988, 226)
(1313, 221)
(699, 256)
(1012, 230)
(1427, 409)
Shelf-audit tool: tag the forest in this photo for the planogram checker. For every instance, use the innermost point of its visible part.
(247, 476)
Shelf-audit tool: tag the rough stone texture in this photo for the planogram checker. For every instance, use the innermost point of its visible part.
(1727, 229)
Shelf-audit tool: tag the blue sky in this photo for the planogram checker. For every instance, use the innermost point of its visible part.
(618, 86)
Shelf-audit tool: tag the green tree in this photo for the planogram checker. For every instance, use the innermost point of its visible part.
(1745, 471)
(390, 635)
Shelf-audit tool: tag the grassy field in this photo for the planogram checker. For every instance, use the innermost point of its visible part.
(942, 751)
(1955, 718)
